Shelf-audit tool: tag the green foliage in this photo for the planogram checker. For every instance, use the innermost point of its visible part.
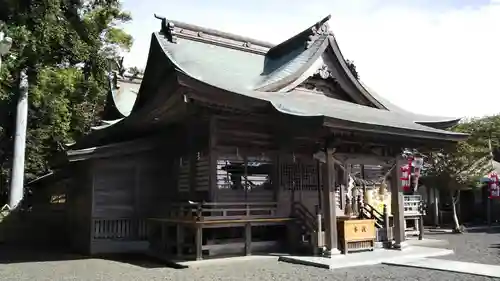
(67, 48)
(463, 166)
(135, 72)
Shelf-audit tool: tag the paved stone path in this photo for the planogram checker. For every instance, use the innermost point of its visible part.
(378, 256)
(450, 266)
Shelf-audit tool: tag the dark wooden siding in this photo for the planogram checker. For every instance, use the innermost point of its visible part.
(183, 173)
(202, 172)
(244, 132)
(114, 185)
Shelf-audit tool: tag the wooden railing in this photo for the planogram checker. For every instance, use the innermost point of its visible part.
(310, 226)
(305, 217)
(368, 211)
(223, 210)
(121, 228)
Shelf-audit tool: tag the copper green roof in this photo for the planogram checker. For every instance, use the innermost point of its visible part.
(244, 63)
(252, 64)
(260, 71)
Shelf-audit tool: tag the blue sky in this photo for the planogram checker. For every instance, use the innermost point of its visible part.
(428, 56)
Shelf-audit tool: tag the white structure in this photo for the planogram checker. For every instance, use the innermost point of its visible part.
(5, 44)
(17, 176)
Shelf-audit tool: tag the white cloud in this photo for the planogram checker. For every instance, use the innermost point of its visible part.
(444, 63)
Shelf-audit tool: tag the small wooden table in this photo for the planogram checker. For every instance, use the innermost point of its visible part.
(356, 234)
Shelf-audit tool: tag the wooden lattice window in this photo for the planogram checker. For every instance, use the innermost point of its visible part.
(299, 176)
(259, 173)
(239, 172)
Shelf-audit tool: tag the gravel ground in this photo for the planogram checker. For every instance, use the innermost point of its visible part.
(473, 247)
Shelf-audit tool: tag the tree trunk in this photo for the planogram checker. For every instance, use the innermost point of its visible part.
(454, 199)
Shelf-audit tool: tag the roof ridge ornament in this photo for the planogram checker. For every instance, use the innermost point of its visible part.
(324, 72)
(167, 28)
(319, 29)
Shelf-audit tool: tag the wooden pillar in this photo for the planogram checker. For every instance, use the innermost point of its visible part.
(199, 242)
(320, 193)
(387, 227)
(192, 155)
(397, 203)
(343, 185)
(319, 234)
(329, 208)
(164, 239)
(213, 157)
(180, 240)
(421, 220)
(363, 186)
(355, 200)
(353, 194)
(248, 239)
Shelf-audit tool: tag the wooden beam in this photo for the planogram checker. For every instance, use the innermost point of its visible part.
(364, 159)
(116, 149)
(385, 140)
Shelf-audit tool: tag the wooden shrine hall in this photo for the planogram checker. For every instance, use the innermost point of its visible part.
(230, 145)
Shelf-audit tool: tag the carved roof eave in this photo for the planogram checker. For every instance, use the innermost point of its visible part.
(305, 37)
(338, 124)
(331, 44)
(111, 111)
(334, 47)
(445, 124)
(331, 122)
(435, 122)
(163, 109)
(105, 124)
(364, 96)
(287, 80)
